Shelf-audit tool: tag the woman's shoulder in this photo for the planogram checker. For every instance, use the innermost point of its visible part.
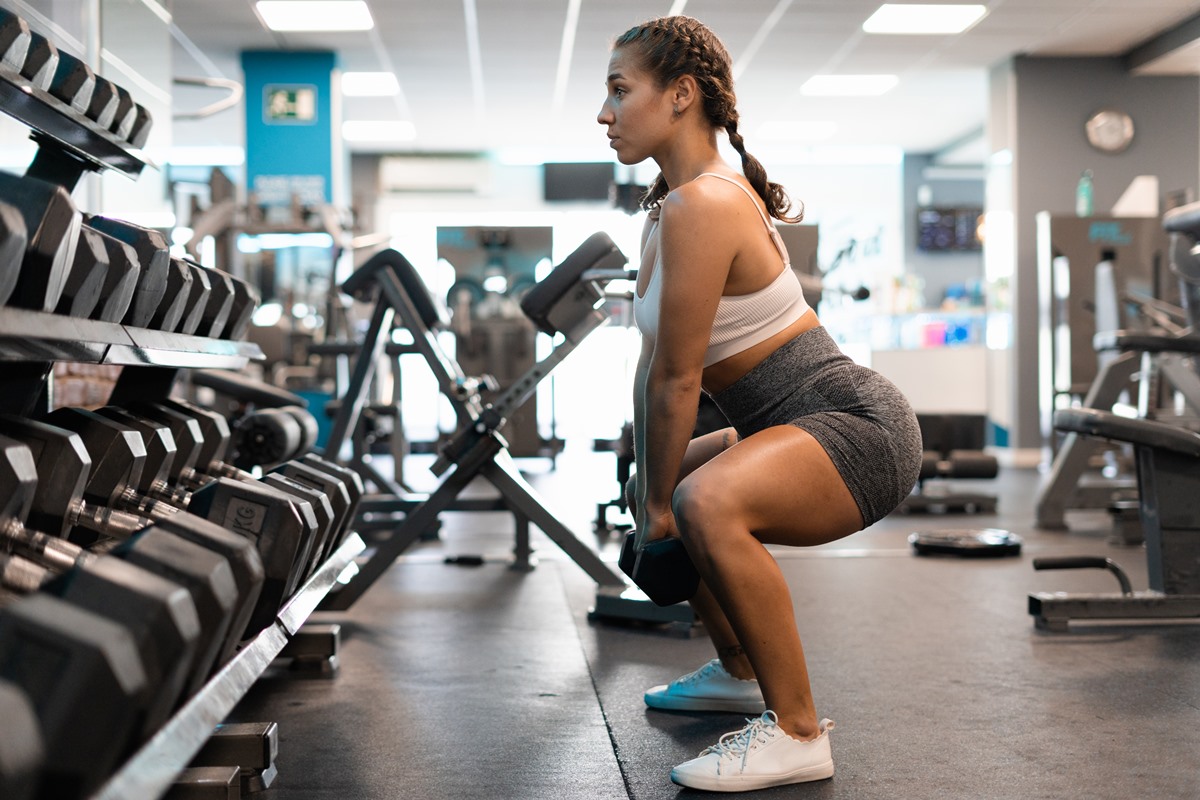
(699, 194)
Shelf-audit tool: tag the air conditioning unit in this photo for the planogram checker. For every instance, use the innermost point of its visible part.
(465, 174)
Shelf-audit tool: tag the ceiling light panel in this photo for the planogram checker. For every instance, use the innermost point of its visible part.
(848, 85)
(806, 130)
(315, 15)
(918, 19)
(369, 84)
(373, 130)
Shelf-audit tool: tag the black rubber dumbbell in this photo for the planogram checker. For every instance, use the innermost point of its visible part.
(58, 508)
(153, 495)
(41, 62)
(245, 302)
(171, 309)
(220, 304)
(52, 232)
(14, 40)
(197, 303)
(103, 107)
(154, 258)
(332, 487)
(202, 436)
(13, 239)
(337, 489)
(95, 666)
(85, 280)
(349, 478)
(139, 127)
(126, 112)
(281, 527)
(73, 82)
(120, 280)
(662, 569)
(159, 615)
(267, 437)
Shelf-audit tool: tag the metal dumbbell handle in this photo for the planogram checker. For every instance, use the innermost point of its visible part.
(49, 551)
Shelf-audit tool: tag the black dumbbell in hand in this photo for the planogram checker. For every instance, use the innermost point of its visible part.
(661, 568)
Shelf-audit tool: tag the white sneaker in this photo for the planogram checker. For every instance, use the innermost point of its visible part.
(710, 688)
(756, 757)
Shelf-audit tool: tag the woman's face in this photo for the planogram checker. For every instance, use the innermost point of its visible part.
(636, 111)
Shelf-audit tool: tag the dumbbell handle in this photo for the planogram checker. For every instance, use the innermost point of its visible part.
(220, 469)
(49, 551)
(102, 519)
(21, 575)
(177, 496)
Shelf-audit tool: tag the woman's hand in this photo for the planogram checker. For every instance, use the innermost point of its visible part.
(655, 525)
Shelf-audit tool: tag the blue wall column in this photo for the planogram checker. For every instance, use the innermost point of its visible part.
(293, 128)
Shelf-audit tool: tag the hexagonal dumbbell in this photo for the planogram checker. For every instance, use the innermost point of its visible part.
(52, 233)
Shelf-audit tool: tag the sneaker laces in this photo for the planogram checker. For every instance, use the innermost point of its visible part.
(738, 743)
(701, 674)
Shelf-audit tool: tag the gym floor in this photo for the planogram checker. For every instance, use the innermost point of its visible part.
(484, 682)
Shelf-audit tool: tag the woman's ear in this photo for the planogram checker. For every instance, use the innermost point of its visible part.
(686, 92)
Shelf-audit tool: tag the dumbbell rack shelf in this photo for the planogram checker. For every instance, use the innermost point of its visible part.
(63, 338)
(151, 771)
(55, 122)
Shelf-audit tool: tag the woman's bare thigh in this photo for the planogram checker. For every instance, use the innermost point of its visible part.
(781, 484)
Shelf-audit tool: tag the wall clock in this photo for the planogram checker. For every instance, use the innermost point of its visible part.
(1109, 130)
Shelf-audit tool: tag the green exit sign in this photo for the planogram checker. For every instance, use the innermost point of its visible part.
(289, 104)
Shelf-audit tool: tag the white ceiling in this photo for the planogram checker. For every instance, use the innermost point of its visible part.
(481, 75)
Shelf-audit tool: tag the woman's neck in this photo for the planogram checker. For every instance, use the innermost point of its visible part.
(691, 157)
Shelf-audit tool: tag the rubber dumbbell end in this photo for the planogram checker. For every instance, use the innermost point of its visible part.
(662, 569)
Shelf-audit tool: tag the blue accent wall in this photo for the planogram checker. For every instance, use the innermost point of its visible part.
(290, 126)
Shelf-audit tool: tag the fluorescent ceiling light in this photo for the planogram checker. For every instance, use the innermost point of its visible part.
(923, 19)
(848, 85)
(315, 15)
(369, 84)
(201, 156)
(797, 130)
(378, 130)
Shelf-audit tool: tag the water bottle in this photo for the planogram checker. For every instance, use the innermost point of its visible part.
(1083, 195)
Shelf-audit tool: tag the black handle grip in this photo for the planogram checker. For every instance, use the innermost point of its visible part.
(1071, 562)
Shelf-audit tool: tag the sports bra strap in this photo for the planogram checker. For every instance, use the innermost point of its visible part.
(761, 213)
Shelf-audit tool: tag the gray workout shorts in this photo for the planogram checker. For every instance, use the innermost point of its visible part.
(861, 419)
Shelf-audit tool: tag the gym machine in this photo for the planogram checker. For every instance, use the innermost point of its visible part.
(141, 598)
(1102, 282)
(565, 303)
(1168, 482)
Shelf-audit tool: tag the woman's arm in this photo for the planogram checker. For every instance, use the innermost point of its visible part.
(639, 432)
(697, 250)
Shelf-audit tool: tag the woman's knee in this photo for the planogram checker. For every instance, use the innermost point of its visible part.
(702, 507)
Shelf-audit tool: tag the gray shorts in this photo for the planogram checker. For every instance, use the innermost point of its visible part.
(859, 417)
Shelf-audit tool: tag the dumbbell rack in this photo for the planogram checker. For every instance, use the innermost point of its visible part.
(69, 143)
(152, 770)
(31, 342)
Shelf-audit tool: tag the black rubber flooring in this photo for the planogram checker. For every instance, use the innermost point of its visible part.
(486, 682)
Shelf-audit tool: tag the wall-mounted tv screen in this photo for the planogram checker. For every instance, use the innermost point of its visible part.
(949, 229)
(578, 181)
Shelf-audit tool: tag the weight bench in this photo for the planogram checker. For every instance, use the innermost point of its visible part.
(1158, 358)
(1167, 456)
(565, 302)
(1168, 478)
(953, 449)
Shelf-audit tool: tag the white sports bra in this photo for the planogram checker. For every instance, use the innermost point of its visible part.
(741, 321)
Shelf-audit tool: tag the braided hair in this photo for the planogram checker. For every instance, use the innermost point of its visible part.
(671, 47)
